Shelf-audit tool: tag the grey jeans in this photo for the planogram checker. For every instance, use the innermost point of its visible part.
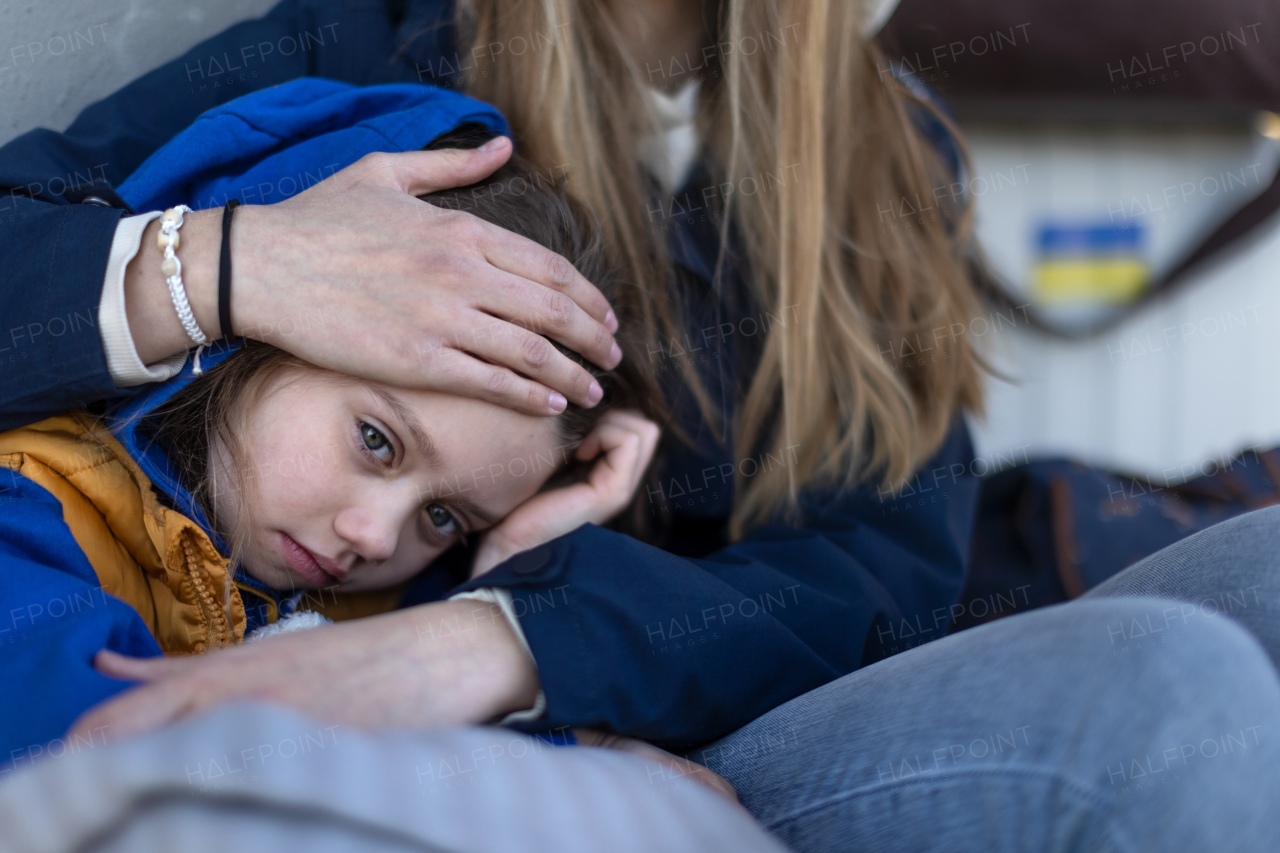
(1144, 716)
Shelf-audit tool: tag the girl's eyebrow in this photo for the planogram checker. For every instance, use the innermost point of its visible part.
(427, 448)
(416, 431)
(475, 509)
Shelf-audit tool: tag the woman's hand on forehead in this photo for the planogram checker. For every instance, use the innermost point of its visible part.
(358, 275)
(420, 297)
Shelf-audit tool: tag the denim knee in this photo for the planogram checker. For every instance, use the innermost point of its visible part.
(1126, 718)
(1178, 677)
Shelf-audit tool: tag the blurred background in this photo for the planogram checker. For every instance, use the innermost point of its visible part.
(59, 56)
(1107, 144)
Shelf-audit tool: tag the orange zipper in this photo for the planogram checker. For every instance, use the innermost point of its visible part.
(214, 617)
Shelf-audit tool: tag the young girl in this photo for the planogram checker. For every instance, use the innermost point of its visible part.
(211, 505)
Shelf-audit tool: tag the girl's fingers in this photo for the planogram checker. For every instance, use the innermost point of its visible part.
(612, 420)
(603, 438)
(649, 433)
(616, 428)
(135, 711)
(674, 764)
(127, 668)
(594, 444)
(611, 441)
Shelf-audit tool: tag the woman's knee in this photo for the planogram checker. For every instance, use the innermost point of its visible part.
(1097, 699)
(1172, 675)
(1112, 668)
(1162, 637)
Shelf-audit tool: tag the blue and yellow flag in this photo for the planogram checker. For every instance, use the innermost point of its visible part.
(1090, 264)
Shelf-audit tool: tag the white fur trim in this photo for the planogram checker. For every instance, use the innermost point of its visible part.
(300, 621)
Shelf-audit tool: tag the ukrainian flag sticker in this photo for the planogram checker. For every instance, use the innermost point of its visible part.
(1084, 264)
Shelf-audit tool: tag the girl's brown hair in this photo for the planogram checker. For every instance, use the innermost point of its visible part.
(807, 114)
(213, 411)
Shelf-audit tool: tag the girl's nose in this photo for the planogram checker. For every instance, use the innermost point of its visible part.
(372, 533)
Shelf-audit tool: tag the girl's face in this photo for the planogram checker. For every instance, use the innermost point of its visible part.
(360, 486)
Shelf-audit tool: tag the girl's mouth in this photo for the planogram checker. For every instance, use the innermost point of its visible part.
(305, 564)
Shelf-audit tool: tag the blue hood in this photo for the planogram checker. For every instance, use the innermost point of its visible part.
(273, 144)
(262, 149)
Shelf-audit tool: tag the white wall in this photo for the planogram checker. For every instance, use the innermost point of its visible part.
(57, 57)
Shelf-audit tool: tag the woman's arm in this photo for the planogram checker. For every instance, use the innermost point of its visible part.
(374, 264)
(53, 255)
(357, 275)
(636, 640)
(446, 663)
(52, 262)
(449, 663)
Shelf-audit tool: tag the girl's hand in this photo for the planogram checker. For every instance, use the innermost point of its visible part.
(627, 441)
(674, 767)
(446, 663)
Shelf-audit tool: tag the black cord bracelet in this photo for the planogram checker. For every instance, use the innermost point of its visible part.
(224, 273)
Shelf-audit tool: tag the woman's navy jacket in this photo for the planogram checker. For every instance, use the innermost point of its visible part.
(679, 644)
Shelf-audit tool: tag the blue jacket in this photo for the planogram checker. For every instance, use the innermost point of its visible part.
(678, 644)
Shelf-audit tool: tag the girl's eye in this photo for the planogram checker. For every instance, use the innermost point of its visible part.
(442, 519)
(377, 443)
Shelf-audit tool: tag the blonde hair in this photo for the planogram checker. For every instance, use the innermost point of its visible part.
(840, 141)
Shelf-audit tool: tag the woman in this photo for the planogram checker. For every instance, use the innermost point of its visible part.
(767, 553)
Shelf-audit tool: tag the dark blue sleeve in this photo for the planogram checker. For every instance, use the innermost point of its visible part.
(54, 617)
(632, 639)
(52, 262)
(53, 255)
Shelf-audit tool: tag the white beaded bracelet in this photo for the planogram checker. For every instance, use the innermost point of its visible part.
(171, 267)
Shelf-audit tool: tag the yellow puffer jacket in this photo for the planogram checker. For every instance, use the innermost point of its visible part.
(155, 559)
